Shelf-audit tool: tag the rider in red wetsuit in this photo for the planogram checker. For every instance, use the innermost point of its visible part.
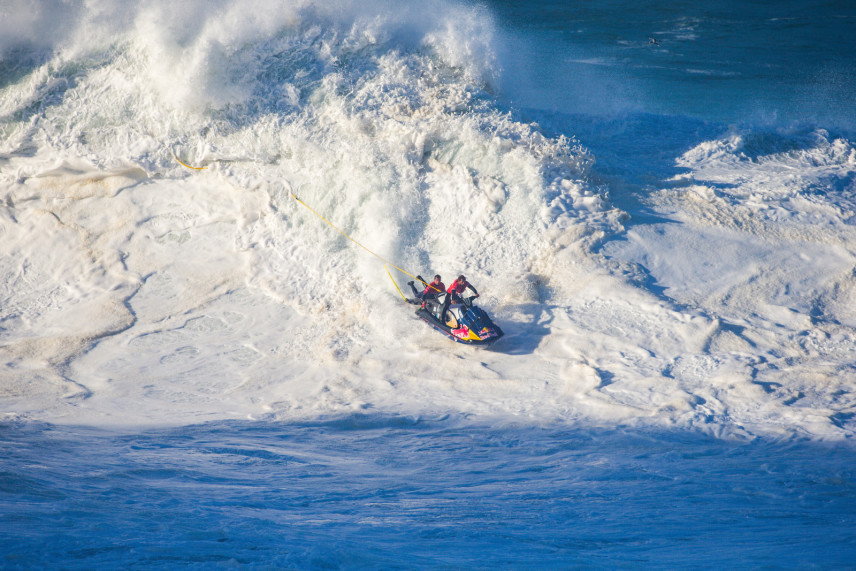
(432, 290)
(455, 290)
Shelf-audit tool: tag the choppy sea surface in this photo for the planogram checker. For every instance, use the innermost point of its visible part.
(395, 492)
(656, 202)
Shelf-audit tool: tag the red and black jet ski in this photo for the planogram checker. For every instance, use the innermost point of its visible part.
(465, 323)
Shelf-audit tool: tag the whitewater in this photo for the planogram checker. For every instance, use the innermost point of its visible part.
(656, 203)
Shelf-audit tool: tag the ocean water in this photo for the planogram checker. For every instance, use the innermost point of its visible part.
(657, 202)
(396, 492)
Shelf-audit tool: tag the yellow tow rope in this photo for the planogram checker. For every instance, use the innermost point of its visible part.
(186, 165)
(382, 259)
(395, 284)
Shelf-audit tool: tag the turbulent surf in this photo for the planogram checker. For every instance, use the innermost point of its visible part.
(656, 202)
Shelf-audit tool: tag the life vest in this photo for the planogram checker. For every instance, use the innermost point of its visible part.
(459, 287)
(434, 289)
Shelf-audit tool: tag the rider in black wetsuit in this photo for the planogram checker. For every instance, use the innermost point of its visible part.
(454, 294)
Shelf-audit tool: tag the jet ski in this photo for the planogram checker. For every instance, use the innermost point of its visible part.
(465, 323)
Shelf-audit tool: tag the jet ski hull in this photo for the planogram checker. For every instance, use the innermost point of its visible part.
(476, 327)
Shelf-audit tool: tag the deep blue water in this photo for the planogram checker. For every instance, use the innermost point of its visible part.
(392, 492)
(773, 63)
(640, 83)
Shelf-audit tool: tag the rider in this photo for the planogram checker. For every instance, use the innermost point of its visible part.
(455, 290)
(431, 291)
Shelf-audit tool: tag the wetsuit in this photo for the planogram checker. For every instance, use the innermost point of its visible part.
(455, 290)
(431, 291)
